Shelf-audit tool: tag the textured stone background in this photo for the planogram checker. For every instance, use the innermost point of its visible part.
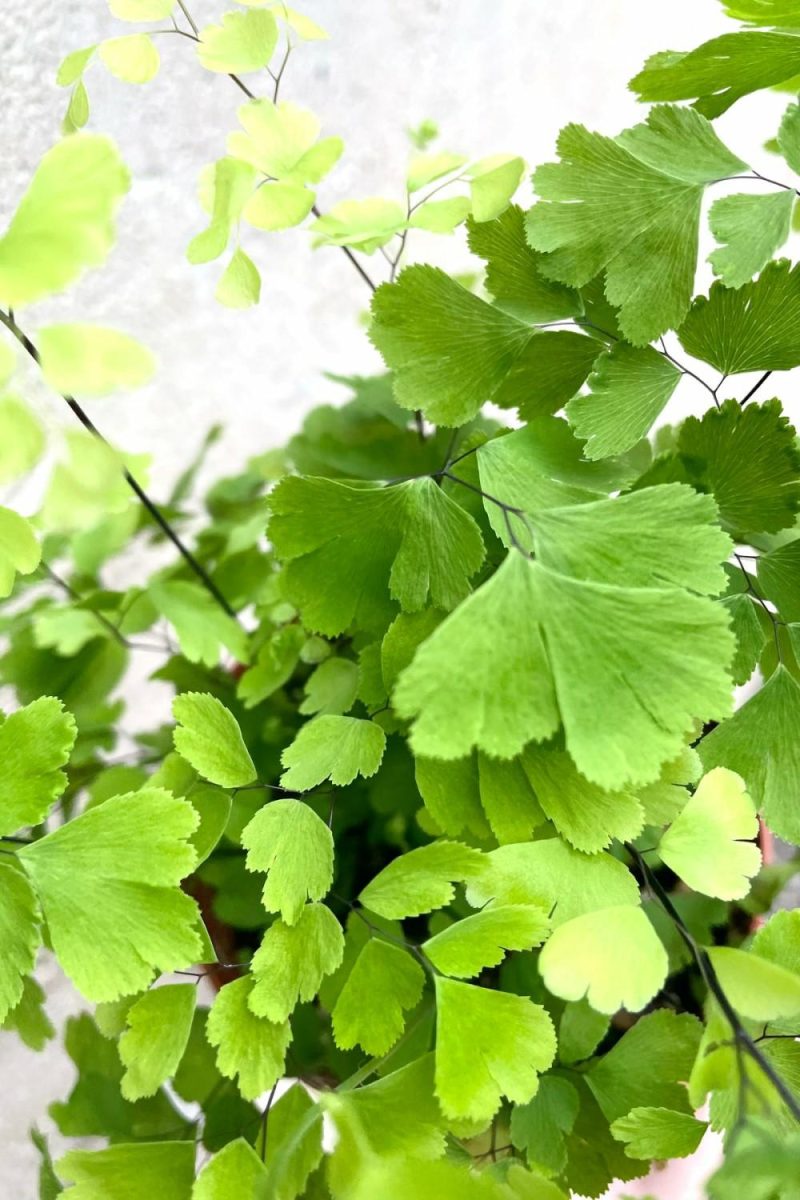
(496, 76)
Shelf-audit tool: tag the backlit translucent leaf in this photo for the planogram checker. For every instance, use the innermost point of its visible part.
(450, 351)
(141, 10)
(92, 360)
(236, 1172)
(466, 947)
(370, 1011)
(631, 207)
(73, 65)
(240, 283)
(209, 738)
(35, 743)
(64, 223)
(19, 930)
(201, 625)
(426, 168)
(550, 874)
(133, 58)
(130, 1172)
(364, 224)
(648, 1065)
(20, 552)
(488, 1045)
(243, 43)
(421, 880)
(291, 961)
(709, 845)
(493, 182)
(658, 1133)
(247, 1045)
(752, 229)
(225, 188)
(756, 987)
(21, 439)
(335, 748)
(288, 840)
(440, 216)
(759, 742)
(627, 391)
(156, 1037)
(108, 882)
(349, 549)
(612, 956)
(779, 579)
(77, 114)
(280, 140)
(278, 206)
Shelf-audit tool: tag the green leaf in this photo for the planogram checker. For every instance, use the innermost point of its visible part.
(612, 956)
(588, 817)
(292, 960)
(539, 1127)
(421, 880)
(552, 367)
(750, 328)
(234, 1173)
(630, 206)
(752, 229)
(450, 351)
(488, 1045)
(288, 840)
(779, 579)
(247, 1045)
(225, 188)
(399, 1114)
(648, 1065)
(789, 137)
(451, 794)
(130, 1172)
(426, 168)
(240, 283)
(764, 12)
(749, 460)
(35, 743)
(757, 988)
(64, 223)
(508, 800)
(92, 360)
(627, 392)
(332, 688)
(365, 224)
(440, 216)
(370, 1011)
(466, 947)
(28, 1018)
(493, 182)
(21, 439)
(759, 744)
(214, 809)
(243, 43)
(720, 72)
(350, 548)
(294, 1146)
(201, 625)
(132, 58)
(90, 485)
(658, 1133)
(748, 622)
(155, 1039)
(280, 140)
(141, 10)
(21, 937)
(65, 629)
(209, 738)
(77, 114)
(709, 845)
(335, 748)
(108, 883)
(19, 550)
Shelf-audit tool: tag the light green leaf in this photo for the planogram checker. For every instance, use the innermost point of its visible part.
(664, 799)
(709, 845)
(580, 1031)
(779, 579)
(280, 140)
(108, 882)
(612, 956)
(20, 933)
(789, 137)
(64, 223)
(764, 12)
(65, 629)
(351, 550)
(493, 182)
(488, 1045)
(332, 688)
(201, 625)
(278, 206)
(225, 188)
(749, 624)
(627, 391)
(631, 207)
(335, 748)
(234, 1173)
(133, 58)
(141, 10)
(421, 880)
(757, 988)
(426, 168)
(72, 67)
(399, 1114)
(302, 25)
(130, 1172)
(440, 216)
(247, 1045)
(209, 738)
(588, 817)
(243, 43)
(77, 114)
(292, 960)
(294, 1146)
(89, 485)
(758, 742)
(539, 1127)
(154, 1042)
(365, 224)
(35, 743)
(749, 460)
(383, 985)
(658, 1133)
(240, 283)
(92, 360)
(752, 229)
(466, 947)
(451, 794)
(28, 1018)
(288, 840)
(508, 800)
(645, 1066)
(450, 351)
(20, 552)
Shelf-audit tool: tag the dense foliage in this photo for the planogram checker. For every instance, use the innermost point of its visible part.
(455, 810)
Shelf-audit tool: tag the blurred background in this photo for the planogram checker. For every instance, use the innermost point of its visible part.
(496, 77)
